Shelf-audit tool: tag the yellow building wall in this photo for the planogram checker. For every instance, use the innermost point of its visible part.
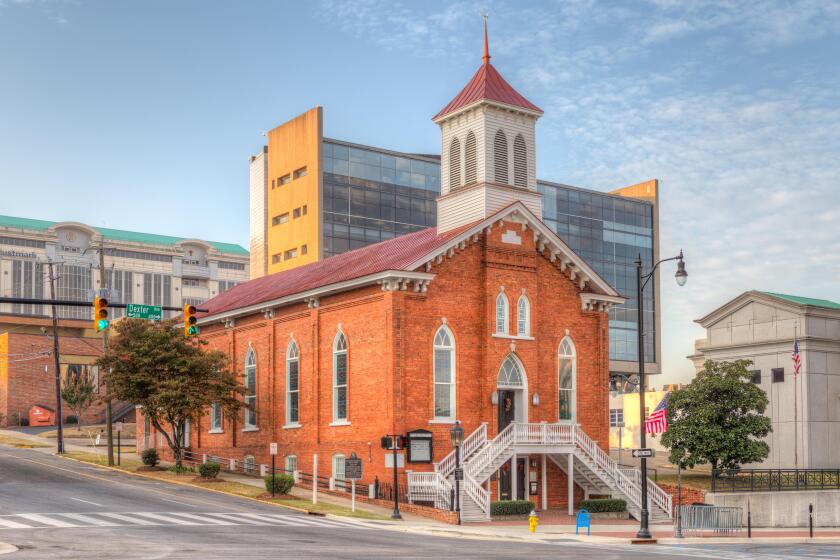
(291, 146)
(646, 190)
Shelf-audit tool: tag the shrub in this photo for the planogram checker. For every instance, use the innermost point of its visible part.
(282, 483)
(511, 507)
(603, 506)
(181, 469)
(71, 420)
(150, 457)
(208, 470)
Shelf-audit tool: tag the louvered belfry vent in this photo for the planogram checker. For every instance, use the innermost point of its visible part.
(470, 166)
(454, 164)
(520, 162)
(500, 158)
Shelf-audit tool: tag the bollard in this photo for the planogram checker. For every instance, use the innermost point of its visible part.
(811, 520)
(533, 521)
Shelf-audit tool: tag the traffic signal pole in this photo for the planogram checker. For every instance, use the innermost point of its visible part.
(109, 418)
(59, 440)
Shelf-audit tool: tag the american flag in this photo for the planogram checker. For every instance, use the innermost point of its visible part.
(657, 421)
(797, 359)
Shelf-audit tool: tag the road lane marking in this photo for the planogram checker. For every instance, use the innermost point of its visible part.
(203, 518)
(9, 524)
(129, 519)
(177, 502)
(87, 502)
(45, 520)
(317, 521)
(90, 519)
(239, 520)
(166, 518)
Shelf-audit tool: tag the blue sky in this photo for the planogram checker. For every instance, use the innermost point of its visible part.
(142, 115)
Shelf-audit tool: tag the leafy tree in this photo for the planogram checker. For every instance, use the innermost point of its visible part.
(718, 418)
(172, 378)
(79, 393)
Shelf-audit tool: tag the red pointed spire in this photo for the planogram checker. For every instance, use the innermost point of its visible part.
(486, 45)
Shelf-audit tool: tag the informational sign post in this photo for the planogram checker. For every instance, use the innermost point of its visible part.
(272, 449)
(353, 472)
(119, 428)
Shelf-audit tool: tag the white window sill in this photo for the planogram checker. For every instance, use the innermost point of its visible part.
(251, 429)
(340, 423)
(442, 421)
(292, 426)
(513, 336)
(216, 431)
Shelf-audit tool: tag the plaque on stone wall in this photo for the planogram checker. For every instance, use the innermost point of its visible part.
(420, 446)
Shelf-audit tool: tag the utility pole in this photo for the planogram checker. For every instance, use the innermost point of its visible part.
(58, 416)
(109, 424)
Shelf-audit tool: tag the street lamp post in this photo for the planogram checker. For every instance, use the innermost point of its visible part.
(456, 434)
(641, 281)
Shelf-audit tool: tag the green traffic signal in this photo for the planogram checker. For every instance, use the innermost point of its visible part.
(193, 330)
(101, 325)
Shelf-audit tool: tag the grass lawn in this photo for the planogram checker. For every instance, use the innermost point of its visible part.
(703, 481)
(20, 442)
(228, 486)
(87, 432)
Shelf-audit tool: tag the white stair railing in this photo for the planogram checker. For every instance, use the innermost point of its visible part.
(470, 445)
(477, 494)
(490, 452)
(429, 487)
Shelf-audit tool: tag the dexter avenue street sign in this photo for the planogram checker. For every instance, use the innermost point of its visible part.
(140, 311)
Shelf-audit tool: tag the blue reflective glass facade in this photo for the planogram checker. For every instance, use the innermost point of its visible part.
(371, 195)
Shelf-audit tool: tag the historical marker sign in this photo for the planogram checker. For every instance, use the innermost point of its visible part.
(272, 448)
(141, 311)
(645, 453)
(353, 468)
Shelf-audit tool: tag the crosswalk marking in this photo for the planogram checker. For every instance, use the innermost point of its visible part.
(45, 520)
(181, 518)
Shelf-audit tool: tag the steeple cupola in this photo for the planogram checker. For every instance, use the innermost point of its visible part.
(487, 149)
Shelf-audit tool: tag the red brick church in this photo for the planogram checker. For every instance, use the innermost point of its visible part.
(488, 319)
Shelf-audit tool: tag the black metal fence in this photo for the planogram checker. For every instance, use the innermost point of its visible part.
(774, 480)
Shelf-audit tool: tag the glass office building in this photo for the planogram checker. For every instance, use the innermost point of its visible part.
(372, 195)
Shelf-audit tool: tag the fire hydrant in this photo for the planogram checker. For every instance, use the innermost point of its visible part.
(533, 521)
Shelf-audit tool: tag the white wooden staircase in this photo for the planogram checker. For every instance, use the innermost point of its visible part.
(594, 470)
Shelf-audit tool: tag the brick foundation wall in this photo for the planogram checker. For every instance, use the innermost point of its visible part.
(689, 495)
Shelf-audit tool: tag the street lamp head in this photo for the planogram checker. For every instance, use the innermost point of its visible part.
(681, 275)
(456, 434)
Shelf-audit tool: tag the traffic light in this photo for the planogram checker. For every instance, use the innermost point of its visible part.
(190, 320)
(100, 313)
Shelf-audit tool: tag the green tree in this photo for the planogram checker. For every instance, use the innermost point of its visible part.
(718, 418)
(172, 378)
(79, 393)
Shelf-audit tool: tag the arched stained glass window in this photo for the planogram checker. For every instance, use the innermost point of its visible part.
(340, 378)
(292, 383)
(444, 348)
(510, 374)
(566, 382)
(250, 389)
(523, 316)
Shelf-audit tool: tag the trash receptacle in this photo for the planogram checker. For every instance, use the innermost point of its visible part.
(40, 415)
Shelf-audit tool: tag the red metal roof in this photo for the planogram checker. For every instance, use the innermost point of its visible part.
(487, 84)
(394, 254)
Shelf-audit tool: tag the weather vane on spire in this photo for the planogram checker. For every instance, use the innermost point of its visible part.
(486, 46)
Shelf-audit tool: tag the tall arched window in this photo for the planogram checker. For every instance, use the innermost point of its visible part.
(501, 314)
(470, 165)
(500, 158)
(454, 164)
(567, 366)
(444, 375)
(523, 316)
(340, 378)
(292, 384)
(250, 390)
(510, 373)
(520, 162)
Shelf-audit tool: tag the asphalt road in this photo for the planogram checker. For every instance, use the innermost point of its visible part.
(55, 508)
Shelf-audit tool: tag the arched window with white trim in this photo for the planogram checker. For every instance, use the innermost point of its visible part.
(510, 373)
(292, 384)
(566, 380)
(523, 316)
(500, 158)
(454, 164)
(250, 420)
(340, 378)
(501, 313)
(444, 350)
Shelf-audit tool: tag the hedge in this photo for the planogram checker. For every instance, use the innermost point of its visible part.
(150, 457)
(283, 483)
(602, 506)
(208, 470)
(511, 507)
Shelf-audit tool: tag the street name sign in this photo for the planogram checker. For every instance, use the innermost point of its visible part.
(645, 453)
(140, 311)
